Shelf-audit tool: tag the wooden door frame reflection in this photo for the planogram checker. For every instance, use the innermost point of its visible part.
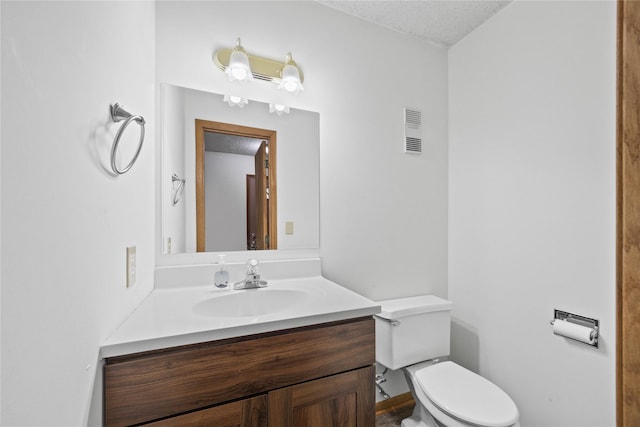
(203, 126)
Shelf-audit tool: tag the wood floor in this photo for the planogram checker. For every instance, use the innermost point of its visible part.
(390, 413)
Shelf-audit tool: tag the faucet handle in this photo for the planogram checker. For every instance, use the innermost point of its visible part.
(252, 266)
(252, 280)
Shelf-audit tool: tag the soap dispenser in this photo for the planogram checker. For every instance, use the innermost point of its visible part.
(221, 278)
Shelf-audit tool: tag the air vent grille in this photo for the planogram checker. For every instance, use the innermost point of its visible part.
(412, 131)
(413, 118)
(413, 145)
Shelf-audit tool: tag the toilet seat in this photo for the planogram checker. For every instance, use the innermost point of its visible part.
(466, 396)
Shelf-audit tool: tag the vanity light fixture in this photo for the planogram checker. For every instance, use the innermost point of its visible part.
(279, 109)
(235, 100)
(287, 75)
(290, 80)
(238, 68)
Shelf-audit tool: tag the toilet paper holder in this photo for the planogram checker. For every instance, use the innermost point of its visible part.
(576, 319)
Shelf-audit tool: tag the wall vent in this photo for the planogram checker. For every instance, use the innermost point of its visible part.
(412, 131)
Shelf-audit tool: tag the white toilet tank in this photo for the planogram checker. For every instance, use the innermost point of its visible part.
(412, 330)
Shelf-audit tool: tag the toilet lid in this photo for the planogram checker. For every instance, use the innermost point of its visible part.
(467, 396)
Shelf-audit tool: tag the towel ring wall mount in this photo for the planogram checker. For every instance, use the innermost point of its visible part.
(118, 114)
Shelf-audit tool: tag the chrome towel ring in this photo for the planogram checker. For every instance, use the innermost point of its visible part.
(117, 115)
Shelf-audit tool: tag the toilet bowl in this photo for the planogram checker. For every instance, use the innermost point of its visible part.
(410, 333)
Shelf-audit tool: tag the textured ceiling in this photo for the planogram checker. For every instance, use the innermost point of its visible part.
(441, 22)
(234, 144)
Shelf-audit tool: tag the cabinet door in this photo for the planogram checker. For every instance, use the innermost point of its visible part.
(244, 413)
(343, 400)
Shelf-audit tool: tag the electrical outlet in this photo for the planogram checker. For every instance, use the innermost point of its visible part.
(131, 266)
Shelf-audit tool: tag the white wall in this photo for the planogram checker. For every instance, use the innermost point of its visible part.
(532, 205)
(173, 142)
(383, 214)
(65, 220)
(225, 177)
(0, 229)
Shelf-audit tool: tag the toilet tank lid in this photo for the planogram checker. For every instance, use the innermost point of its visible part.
(403, 307)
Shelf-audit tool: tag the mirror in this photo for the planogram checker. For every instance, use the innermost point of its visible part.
(213, 209)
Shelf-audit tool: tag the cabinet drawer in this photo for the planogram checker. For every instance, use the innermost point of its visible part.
(165, 383)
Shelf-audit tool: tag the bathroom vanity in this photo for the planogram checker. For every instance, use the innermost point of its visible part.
(307, 362)
(301, 376)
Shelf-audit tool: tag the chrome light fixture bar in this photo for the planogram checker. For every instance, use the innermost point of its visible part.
(284, 74)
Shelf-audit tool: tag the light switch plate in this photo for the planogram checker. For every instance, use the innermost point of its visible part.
(131, 266)
(288, 227)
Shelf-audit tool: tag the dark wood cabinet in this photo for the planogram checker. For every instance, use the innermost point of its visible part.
(315, 376)
(250, 412)
(343, 400)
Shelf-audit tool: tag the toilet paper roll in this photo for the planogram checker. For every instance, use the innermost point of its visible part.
(574, 331)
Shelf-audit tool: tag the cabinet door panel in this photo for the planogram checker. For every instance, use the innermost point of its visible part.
(244, 413)
(339, 411)
(344, 400)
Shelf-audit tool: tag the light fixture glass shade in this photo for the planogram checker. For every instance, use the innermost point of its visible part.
(279, 109)
(290, 80)
(233, 100)
(238, 68)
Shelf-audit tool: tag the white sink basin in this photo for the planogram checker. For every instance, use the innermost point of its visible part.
(252, 303)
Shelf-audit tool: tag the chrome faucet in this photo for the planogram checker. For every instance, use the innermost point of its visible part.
(252, 279)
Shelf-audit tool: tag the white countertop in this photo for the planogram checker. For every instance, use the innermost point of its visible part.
(176, 316)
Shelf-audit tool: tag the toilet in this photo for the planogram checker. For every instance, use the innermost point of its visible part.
(411, 333)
